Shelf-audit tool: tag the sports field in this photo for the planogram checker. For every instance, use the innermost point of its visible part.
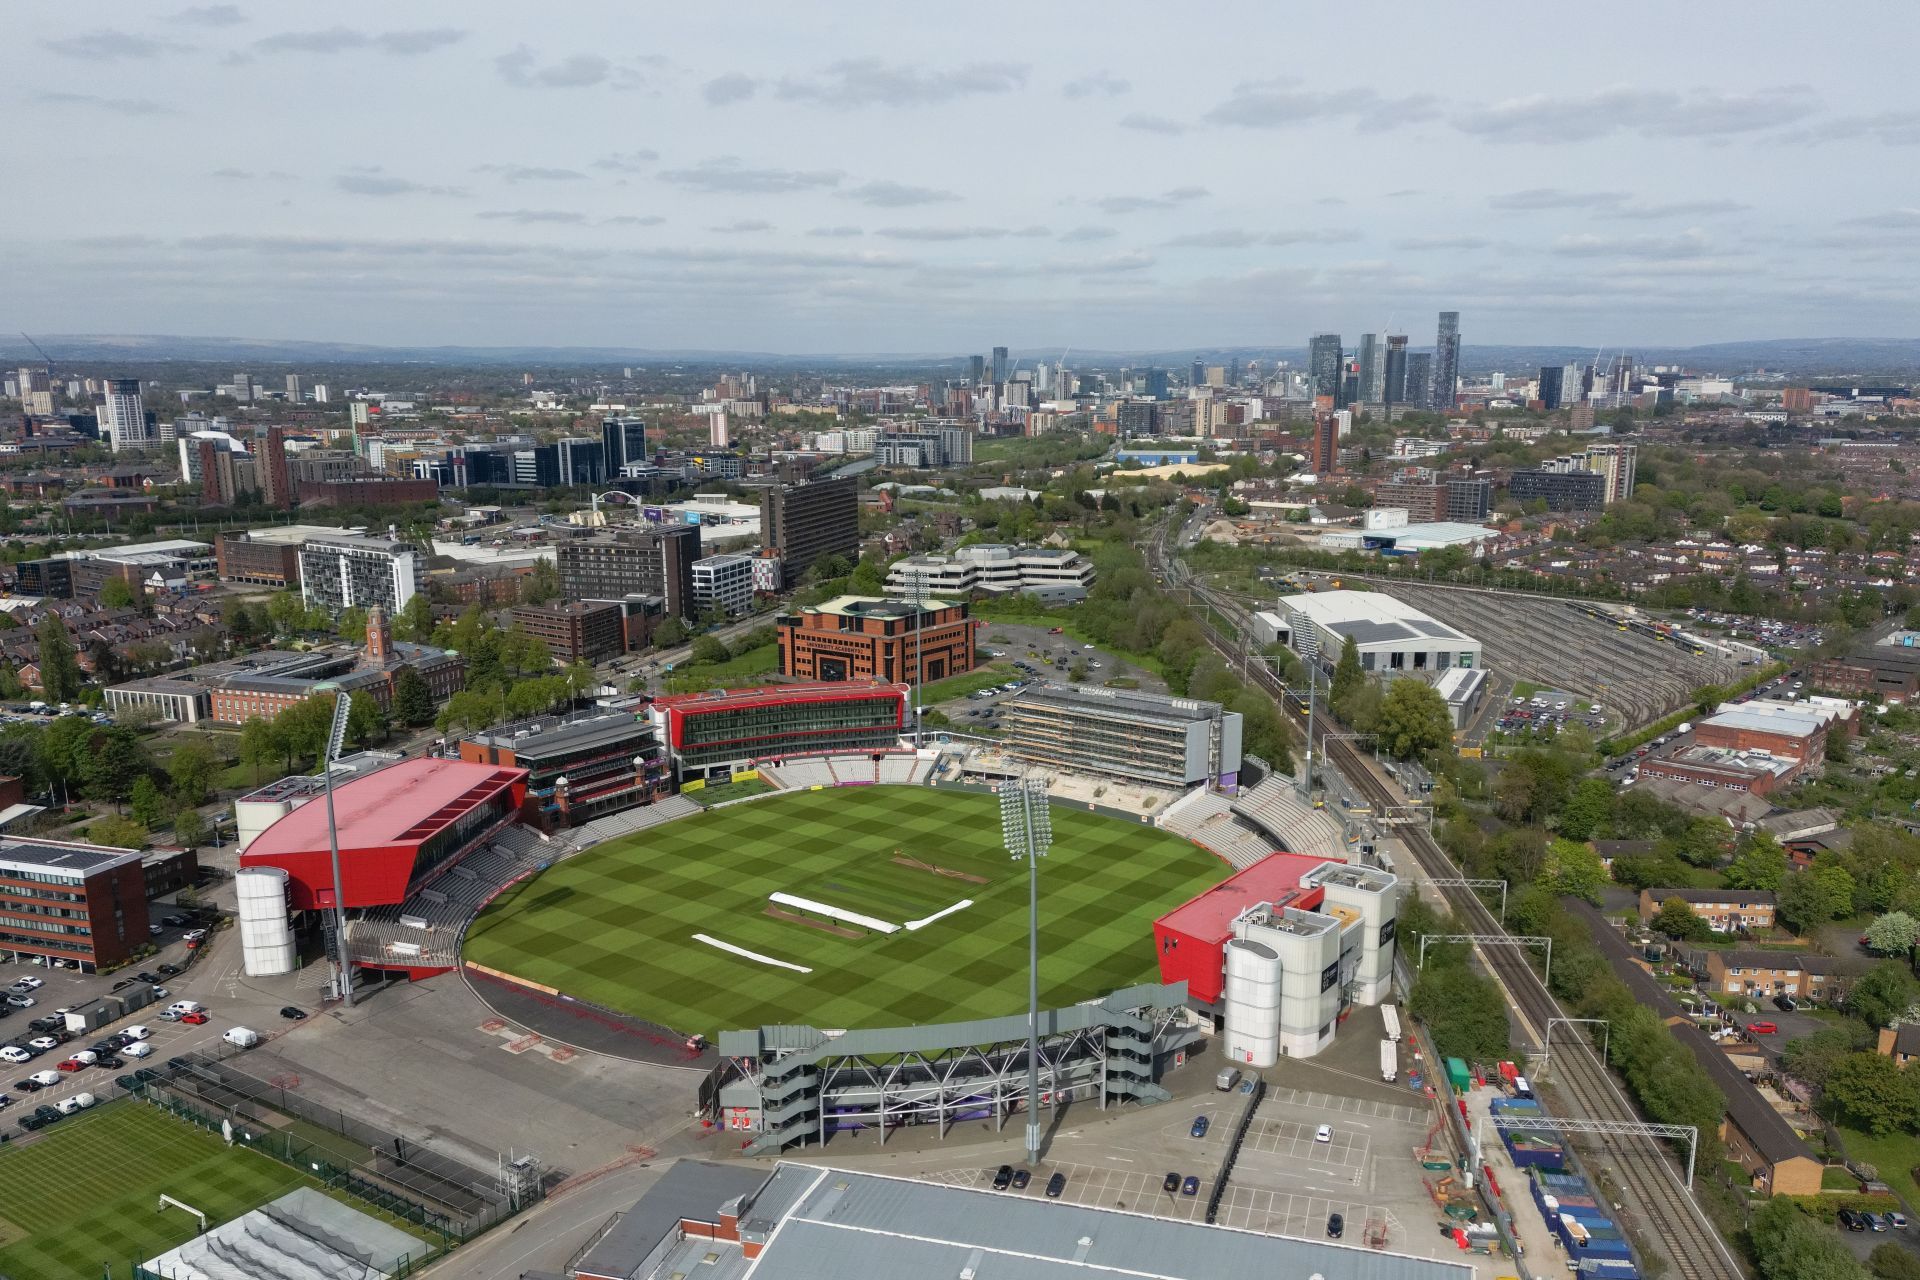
(86, 1192)
(615, 925)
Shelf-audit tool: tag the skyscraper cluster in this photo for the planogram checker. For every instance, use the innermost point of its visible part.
(1388, 373)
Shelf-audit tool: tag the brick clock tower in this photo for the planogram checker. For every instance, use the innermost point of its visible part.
(379, 637)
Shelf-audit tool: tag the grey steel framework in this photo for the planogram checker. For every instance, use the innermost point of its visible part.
(792, 1085)
(1605, 1128)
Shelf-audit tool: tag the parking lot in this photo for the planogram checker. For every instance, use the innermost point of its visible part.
(1544, 712)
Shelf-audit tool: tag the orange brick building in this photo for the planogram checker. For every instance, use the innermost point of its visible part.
(867, 638)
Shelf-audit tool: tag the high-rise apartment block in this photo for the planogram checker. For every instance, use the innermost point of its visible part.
(345, 572)
(1550, 383)
(36, 392)
(276, 481)
(802, 522)
(1326, 444)
(1420, 380)
(1393, 383)
(655, 560)
(123, 419)
(1615, 463)
(1000, 365)
(1446, 363)
(1324, 366)
(623, 443)
(1372, 371)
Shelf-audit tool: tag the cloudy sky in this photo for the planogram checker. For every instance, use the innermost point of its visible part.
(880, 177)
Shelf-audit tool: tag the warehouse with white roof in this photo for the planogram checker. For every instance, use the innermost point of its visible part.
(1390, 634)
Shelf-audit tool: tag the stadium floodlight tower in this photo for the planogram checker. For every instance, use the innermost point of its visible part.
(1026, 827)
(336, 738)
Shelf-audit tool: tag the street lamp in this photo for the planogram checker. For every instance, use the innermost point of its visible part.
(1026, 828)
(336, 738)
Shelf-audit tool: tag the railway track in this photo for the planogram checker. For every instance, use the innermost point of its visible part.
(1654, 1197)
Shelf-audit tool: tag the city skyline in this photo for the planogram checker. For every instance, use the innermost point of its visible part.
(471, 175)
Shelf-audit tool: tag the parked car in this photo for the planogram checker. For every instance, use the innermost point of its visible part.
(1199, 1129)
(1191, 1187)
(167, 1015)
(1762, 1028)
(194, 1019)
(1170, 1183)
(1336, 1225)
(1784, 1004)
(43, 1043)
(1003, 1177)
(167, 970)
(138, 1049)
(151, 979)
(46, 1079)
(293, 1013)
(19, 1001)
(1851, 1220)
(1896, 1219)
(135, 1032)
(1323, 1134)
(78, 1102)
(1021, 1178)
(1055, 1185)
(175, 921)
(15, 1054)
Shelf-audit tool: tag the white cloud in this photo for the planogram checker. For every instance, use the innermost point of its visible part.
(870, 82)
(1650, 113)
(1100, 83)
(896, 195)
(728, 174)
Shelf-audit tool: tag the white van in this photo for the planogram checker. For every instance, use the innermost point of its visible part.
(78, 1102)
(241, 1037)
(186, 1006)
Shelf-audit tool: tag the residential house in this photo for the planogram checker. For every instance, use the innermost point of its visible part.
(1726, 910)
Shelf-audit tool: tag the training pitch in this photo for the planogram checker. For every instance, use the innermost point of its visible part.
(617, 924)
(86, 1192)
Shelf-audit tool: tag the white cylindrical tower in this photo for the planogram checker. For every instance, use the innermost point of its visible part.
(266, 934)
(1252, 1003)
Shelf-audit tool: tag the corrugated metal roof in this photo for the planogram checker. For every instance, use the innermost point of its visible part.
(853, 1224)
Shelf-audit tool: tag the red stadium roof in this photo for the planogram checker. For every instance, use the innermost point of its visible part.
(1272, 879)
(382, 819)
(775, 694)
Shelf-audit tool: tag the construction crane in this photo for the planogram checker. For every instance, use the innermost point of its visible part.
(43, 353)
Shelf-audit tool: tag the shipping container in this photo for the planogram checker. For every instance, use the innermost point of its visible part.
(1458, 1075)
(1390, 1016)
(1389, 1061)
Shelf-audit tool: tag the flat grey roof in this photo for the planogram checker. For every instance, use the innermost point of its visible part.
(1121, 701)
(48, 855)
(690, 1189)
(857, 1224)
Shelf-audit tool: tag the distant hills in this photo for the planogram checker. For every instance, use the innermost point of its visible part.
(1806, 356)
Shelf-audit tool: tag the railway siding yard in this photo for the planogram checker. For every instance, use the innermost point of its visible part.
(1557, 644)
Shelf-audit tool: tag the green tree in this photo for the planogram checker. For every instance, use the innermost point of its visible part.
(116, 832)
(1588, 810)
(1893, 1262)
(287, 611)
(1808, 1059)
(1575, 869)
(1868, 1091)
(869, 578)
(1805, 902)
(1895, 933)
(671, 633)
(541, 584)
(259, 745)
(1413, 719)
(1347, 676)
(189, 828)
(412, 700)
(118, 593)
(192, 769)
(60, 676)
(1883, 994)
(1677, 920)
(1761, 865)
(147, 803)
(1464, 1011)
(10, 686)
(1708, 696)
(116, 762)
(350, 624)
(366, 722)
(415, 620)
(829, 567)
(1788, 1245)
(708, 650)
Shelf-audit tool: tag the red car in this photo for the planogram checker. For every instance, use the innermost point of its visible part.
(1762, 1028)
(194, 1018)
